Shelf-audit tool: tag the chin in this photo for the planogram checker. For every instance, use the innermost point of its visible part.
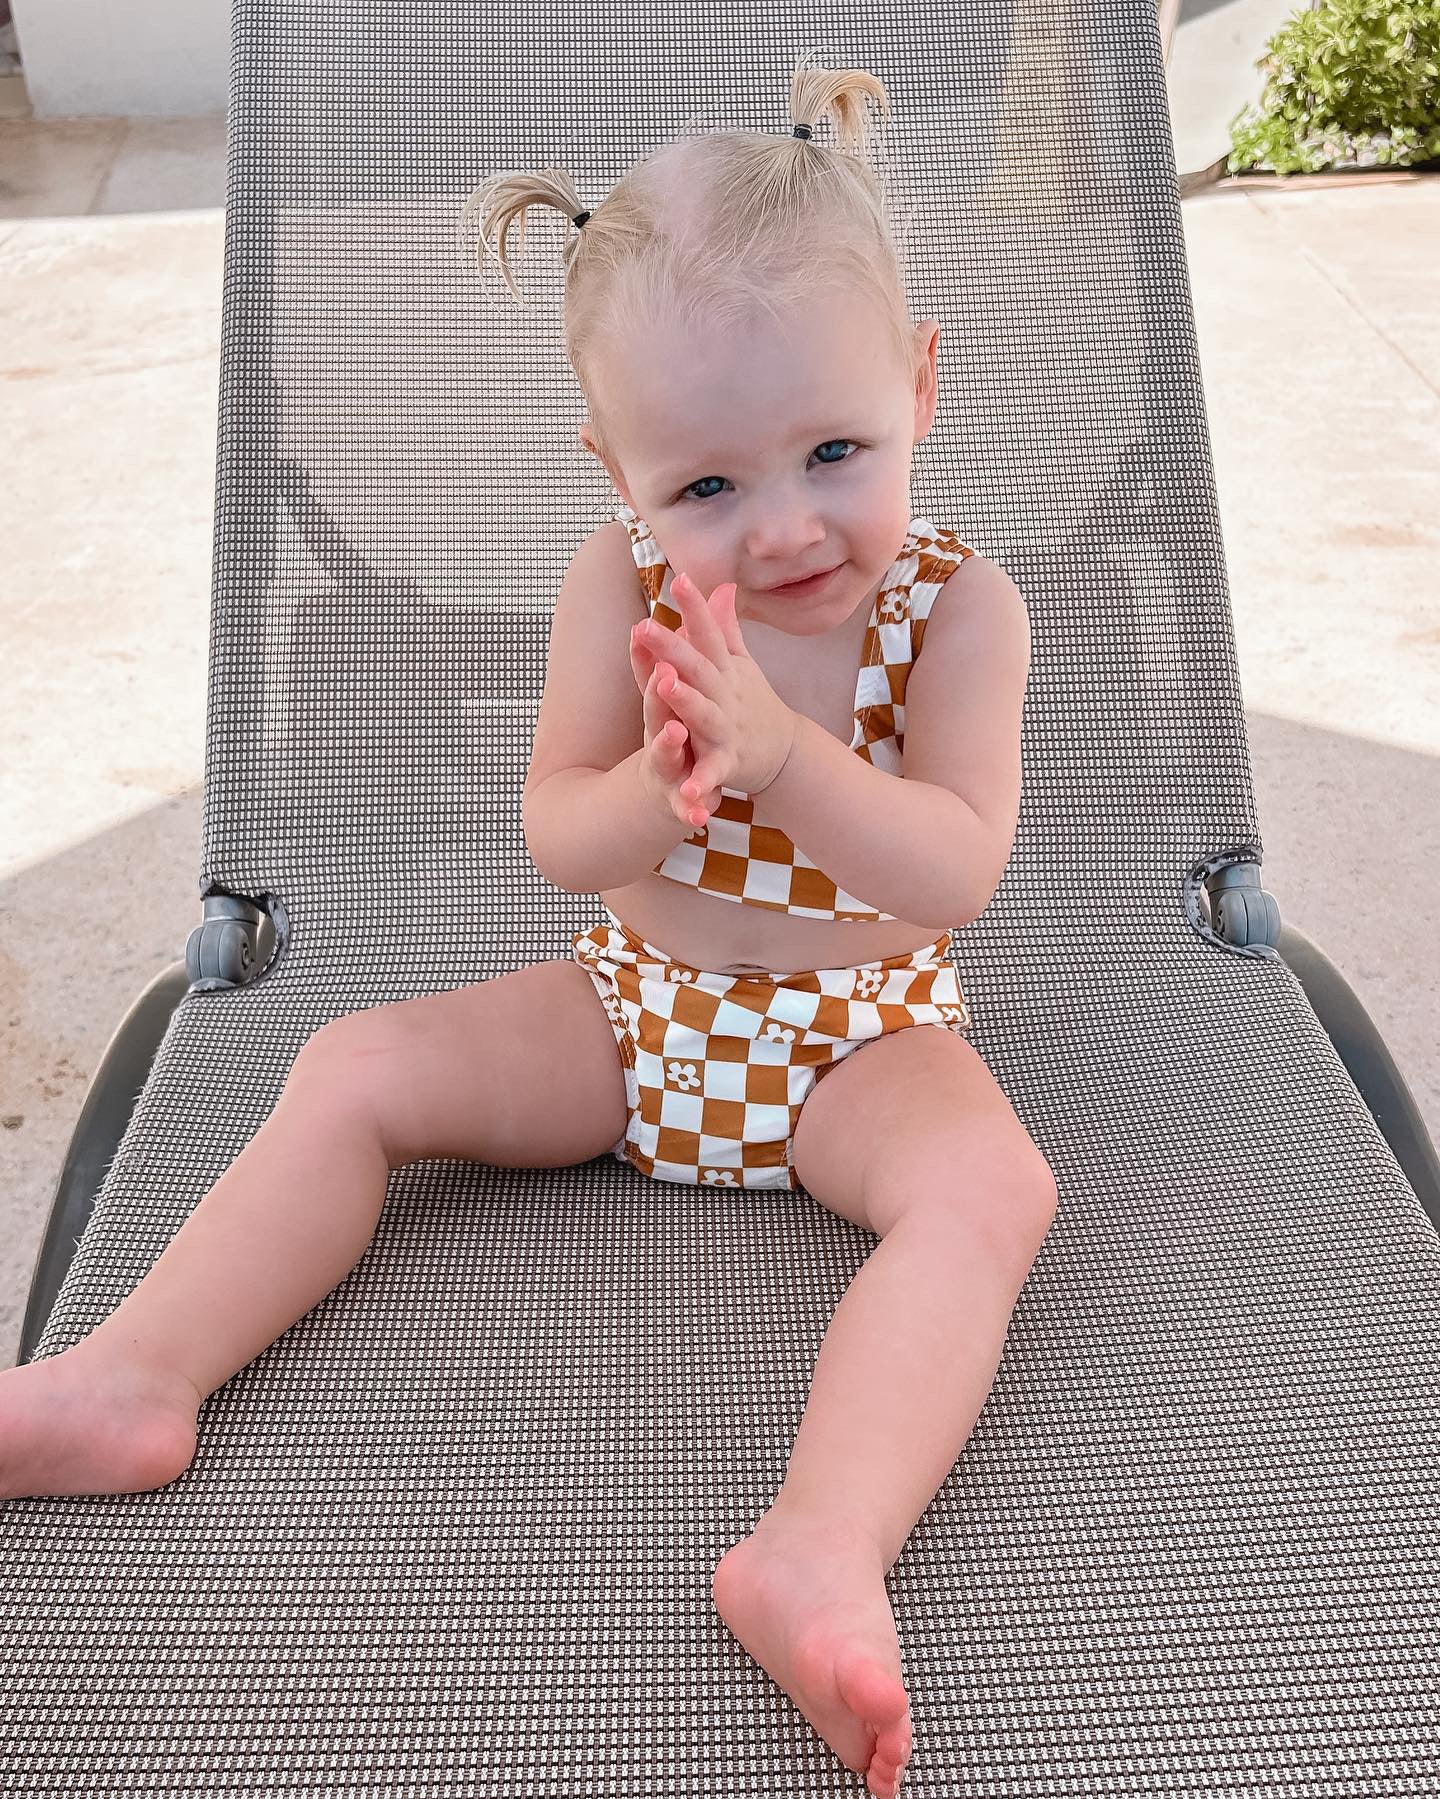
(816, 624)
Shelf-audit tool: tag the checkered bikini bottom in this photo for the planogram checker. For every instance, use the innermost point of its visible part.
(717, 1066)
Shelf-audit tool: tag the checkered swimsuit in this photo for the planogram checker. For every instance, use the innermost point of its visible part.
(717, 1066)
(730, 855)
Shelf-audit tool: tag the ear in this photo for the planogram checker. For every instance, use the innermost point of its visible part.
(617, 478)
(927, 340)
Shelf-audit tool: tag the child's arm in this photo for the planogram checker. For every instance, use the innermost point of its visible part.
(907, 847)
(589, 829)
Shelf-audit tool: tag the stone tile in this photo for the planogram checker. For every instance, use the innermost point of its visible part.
(167, 165)
(109, 379)
(1326, 439)
(83, 298)
(14, 97)
(55, 168)
(1379, 254)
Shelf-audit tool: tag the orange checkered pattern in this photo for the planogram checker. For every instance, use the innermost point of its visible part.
(717, 1066)
(759, 865)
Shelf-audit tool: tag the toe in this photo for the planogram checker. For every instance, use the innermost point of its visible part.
(885, 1771)
(833, 1714)
(895, 1741)
(879, 1697)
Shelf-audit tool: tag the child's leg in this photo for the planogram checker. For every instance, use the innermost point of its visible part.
(285, 1223)
(450, 1074)
(289, 1218)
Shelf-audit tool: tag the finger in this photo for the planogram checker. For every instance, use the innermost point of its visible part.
(702, 625)
(670, 765)
(722, 604)
(652, 638)
(720, 632)
(656, 711)
(698, 785)
(662, 686)
(663, 645)
(642, 664)
(699, 713)
(687, 810)
(724, 623)
(645, 651)
(669, 748)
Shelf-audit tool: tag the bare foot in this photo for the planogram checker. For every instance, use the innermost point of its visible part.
(806, 1598)
(75, 1423)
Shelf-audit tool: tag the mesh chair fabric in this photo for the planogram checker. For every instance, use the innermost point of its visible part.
(456, 1528)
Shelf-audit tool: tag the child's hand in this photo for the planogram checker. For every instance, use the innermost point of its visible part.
(669, 751)
(744, 729)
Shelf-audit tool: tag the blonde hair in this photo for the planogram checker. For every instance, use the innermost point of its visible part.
(707, 230)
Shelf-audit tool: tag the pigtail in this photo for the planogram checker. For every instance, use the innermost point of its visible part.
(503, 200)
(842, 94)
(717, 226)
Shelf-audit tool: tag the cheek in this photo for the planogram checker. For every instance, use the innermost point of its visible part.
(884, 526)
(877, 536)
(704, 556)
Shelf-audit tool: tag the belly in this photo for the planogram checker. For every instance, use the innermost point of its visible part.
(724, 937)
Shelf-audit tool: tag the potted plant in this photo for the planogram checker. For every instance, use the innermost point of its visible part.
(1350, 85)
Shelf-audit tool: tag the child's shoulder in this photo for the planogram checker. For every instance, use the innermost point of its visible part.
(940, 542)
(931, 554)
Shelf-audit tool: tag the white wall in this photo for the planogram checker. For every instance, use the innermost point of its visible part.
(131, 59)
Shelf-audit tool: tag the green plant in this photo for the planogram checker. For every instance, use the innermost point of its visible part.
(1352, 82)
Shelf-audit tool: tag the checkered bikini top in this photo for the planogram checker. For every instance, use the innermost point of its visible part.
(730, 855)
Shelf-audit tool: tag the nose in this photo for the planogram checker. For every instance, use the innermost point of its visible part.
(785, 545)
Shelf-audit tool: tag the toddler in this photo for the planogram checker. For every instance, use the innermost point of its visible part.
(735, 314)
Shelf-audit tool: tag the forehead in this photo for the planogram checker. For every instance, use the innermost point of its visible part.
(706, 391)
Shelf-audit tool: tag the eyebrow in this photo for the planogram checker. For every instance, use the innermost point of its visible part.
(674, 475)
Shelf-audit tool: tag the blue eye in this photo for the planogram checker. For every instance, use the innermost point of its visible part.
(698, 499)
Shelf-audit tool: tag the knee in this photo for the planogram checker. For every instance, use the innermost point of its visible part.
(344, 1064)
(1047, 1192)
(1018, 1200)
(1034, 1194)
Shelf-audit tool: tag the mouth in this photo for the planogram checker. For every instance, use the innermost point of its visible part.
(811, 584)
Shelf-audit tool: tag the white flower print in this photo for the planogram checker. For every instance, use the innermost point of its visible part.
(892, 607)
(680, 974)
(775, 1033)
(719, 1177)
(682, 1075)
(869, 983)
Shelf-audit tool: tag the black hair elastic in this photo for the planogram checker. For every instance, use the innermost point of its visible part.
(798, 131)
